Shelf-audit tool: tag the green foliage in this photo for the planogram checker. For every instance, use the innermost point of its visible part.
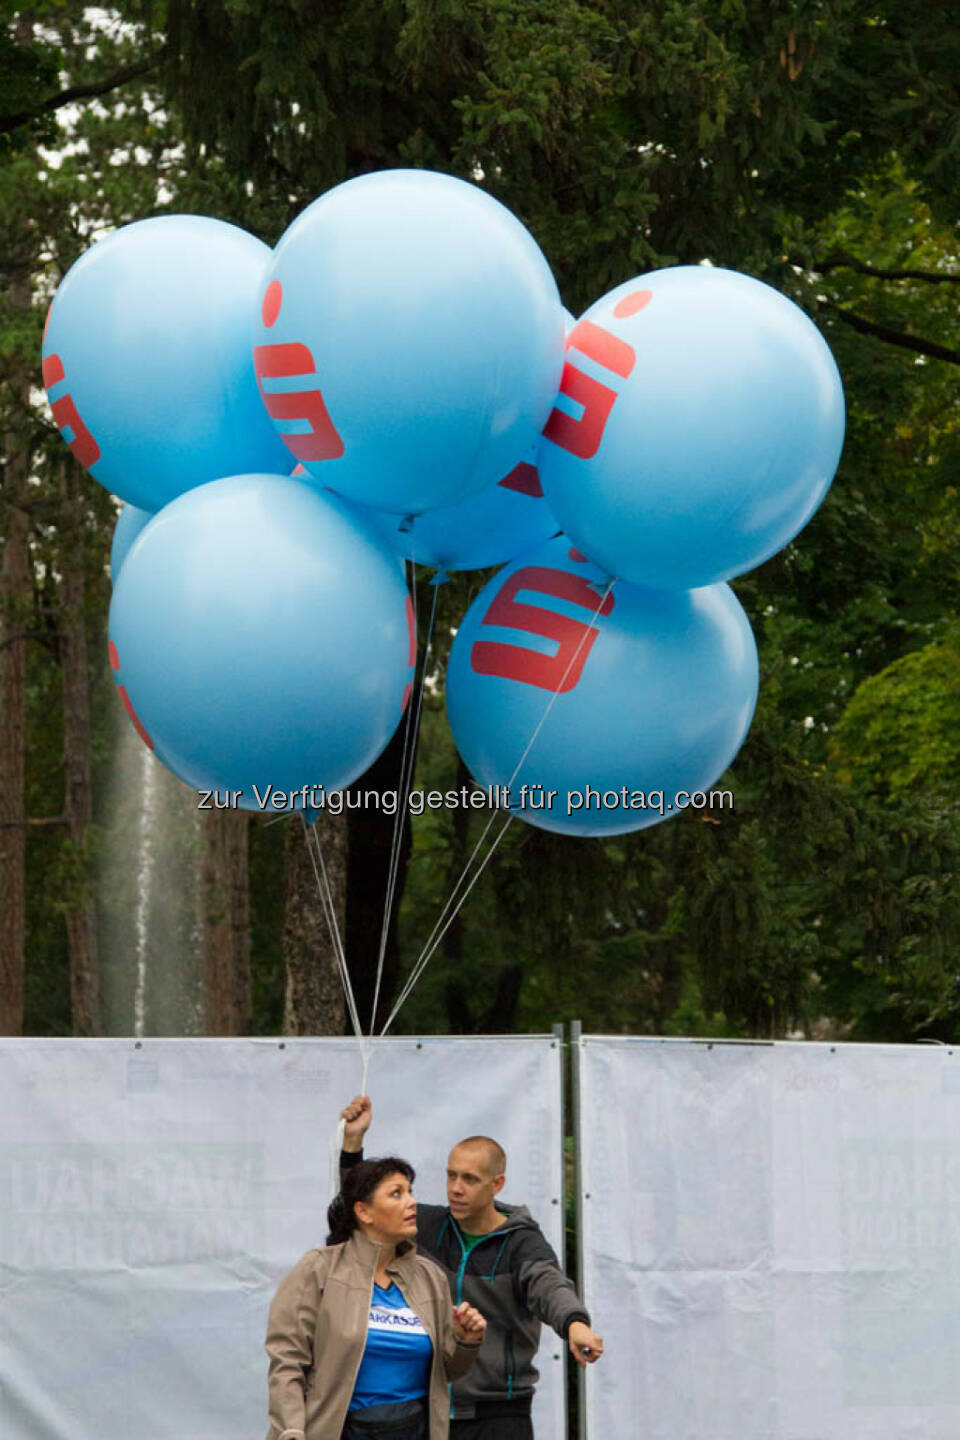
(900, 734)
(65, 180)
(29, 69)
(811, 145)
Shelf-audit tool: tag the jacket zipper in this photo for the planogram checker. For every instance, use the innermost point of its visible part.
(362, 1348)
(464, 1257)
(508, 1342)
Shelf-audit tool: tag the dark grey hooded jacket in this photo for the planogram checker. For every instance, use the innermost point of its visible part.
(514, 1279)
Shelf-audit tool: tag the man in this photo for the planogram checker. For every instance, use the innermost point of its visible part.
(496, 1258)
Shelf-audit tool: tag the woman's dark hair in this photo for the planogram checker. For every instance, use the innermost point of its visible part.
(359, 1183)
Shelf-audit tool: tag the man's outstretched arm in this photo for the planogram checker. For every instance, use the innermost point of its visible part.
(551, 1296)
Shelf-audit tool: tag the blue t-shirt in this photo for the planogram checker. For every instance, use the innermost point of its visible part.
(396, 1361)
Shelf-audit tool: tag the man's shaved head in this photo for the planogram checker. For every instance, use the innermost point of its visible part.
(475, 1176)
(494, 1156)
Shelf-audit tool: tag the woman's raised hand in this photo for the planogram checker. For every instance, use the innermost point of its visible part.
(358, 1115)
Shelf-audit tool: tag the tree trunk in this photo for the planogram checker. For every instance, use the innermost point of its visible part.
(225, 923)
(81, 917)
(313, 1002)
(371, 838)
(15, 611)
(238, 882)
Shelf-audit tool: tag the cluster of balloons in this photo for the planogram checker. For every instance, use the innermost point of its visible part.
(398, 378)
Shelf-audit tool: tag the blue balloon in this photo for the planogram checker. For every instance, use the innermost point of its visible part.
(655, 692)
(146, 359)
(410, 340)
(130, 522)
(489, 528)
(698, 426)
(262, 637)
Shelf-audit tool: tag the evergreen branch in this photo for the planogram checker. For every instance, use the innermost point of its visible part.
(82, 92)
(902, 338)
(848, 262)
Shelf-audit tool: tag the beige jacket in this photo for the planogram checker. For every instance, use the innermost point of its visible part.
(317, 1332)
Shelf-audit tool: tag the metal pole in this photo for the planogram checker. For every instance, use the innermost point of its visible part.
(576, 1042)
(558, 1040)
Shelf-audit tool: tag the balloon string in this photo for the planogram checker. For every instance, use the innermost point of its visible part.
(455, 902)
(337, 1138)
(330, 915)
(323, 881)
(432, 944)
(407, 764)
(315, 852)
(398, 815)
(417, 969)
(516, 769)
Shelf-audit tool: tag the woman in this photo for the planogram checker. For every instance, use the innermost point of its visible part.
(362, 1336)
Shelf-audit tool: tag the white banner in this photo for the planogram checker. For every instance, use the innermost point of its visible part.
(152, 1196)
(771, 1240)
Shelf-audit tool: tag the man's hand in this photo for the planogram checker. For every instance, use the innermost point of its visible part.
(358, 1115)
(469, 1326)
(585, 1347)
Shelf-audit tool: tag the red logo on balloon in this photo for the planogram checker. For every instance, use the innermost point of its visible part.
(561, 671)
(525, 479)
(582, 437)
(125, 698)
(279, 362)
(632, 304)
(412, 655)
(66, 417)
